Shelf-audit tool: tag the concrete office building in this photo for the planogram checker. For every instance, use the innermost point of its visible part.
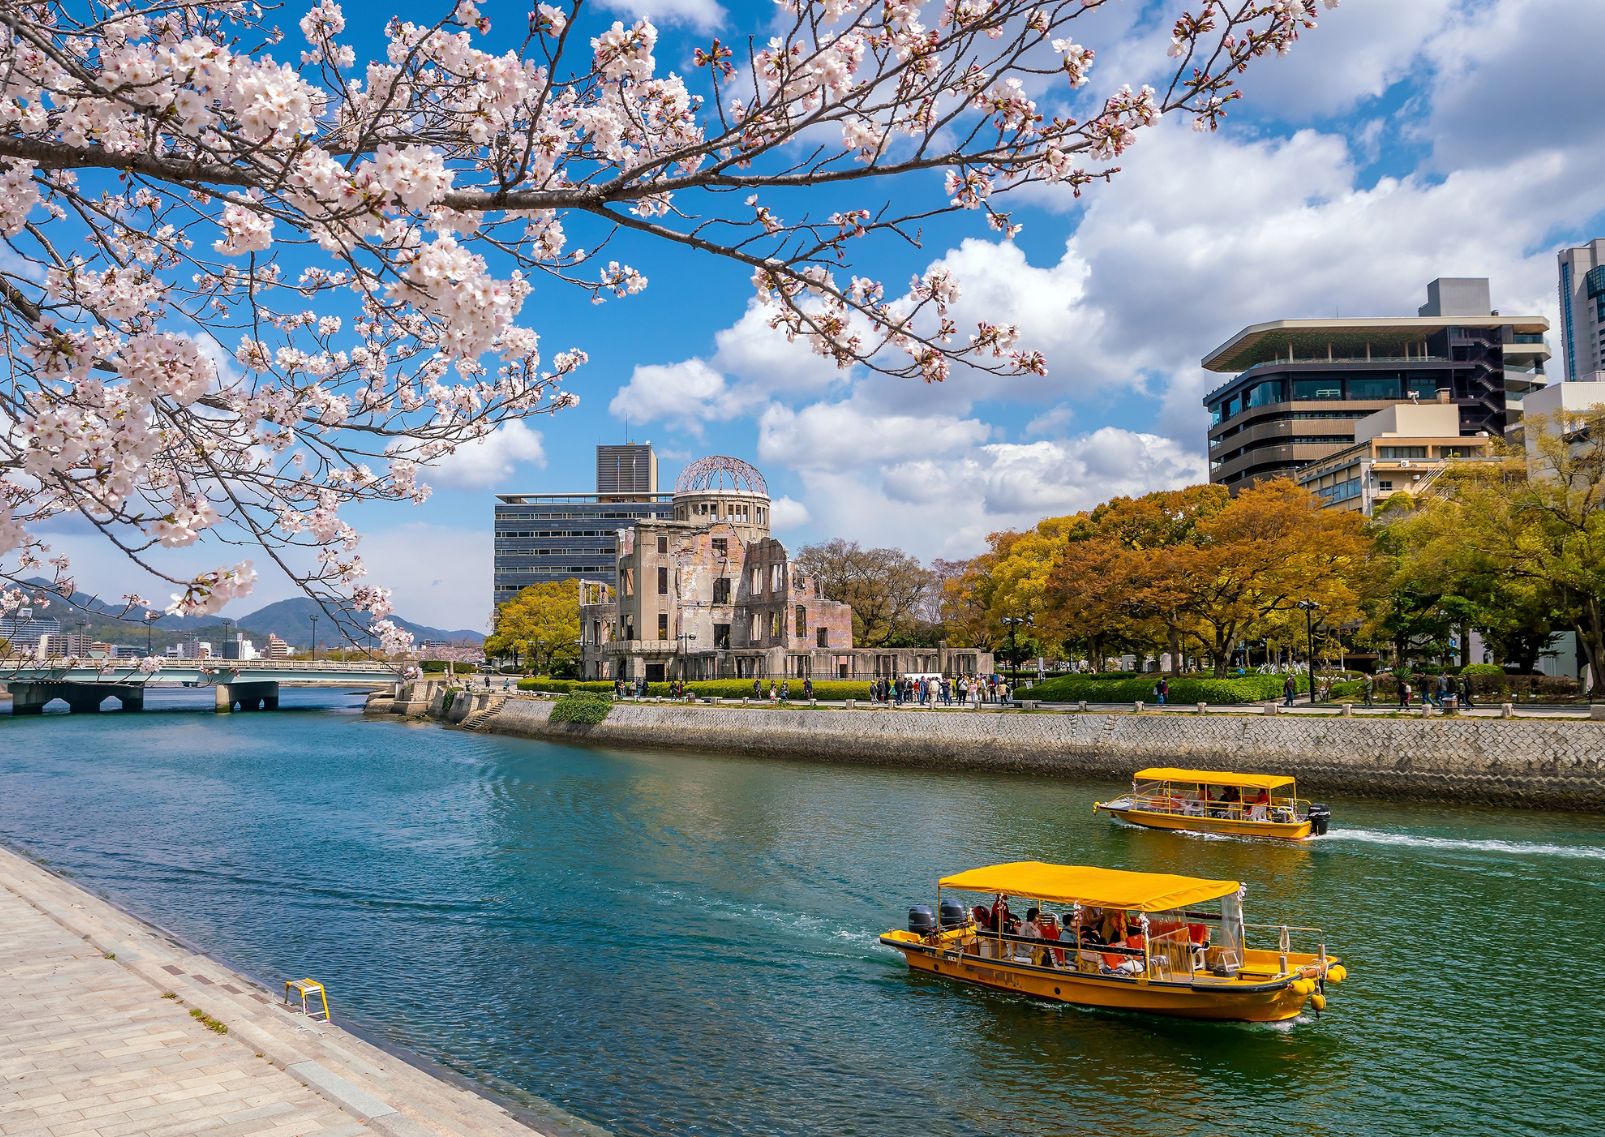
(1299, 386)
(707, 593)
(1582, 310)
(561, 536)
(1402, 448)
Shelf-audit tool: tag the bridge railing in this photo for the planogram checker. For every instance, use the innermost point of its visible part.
(20, 665)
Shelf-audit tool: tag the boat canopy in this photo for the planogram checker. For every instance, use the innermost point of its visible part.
(1213, 778)
(1095, 887)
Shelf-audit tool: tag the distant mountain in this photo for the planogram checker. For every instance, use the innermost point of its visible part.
(291, 620)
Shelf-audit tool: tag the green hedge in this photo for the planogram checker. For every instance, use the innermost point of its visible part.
(1244, 689)
(581, 707)
(1483, 669)
(825, 690)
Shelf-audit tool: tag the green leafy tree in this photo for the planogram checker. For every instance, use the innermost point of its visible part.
(540, 625)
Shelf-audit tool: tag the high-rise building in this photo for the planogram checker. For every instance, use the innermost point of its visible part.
(544, 537)
(23, 629)
(1582, 310)
(1299, 386)
(630, 469)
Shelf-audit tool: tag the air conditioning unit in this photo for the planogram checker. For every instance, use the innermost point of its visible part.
(1404, 463)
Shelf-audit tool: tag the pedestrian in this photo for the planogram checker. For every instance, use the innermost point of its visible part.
(1289, 689)
(808, 688)
(1465, 692)
(757, 689)
(773, 691)
(785, 690)
(1404, 693)
(1367, 688)
(947, 692)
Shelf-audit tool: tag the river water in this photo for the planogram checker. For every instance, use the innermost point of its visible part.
(664, 943)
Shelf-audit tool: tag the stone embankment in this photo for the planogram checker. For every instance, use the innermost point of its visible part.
(1538, 763)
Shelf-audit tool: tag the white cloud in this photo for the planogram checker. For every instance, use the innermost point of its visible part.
(827, 436)
(788, 513)
(490, 461)
(764, 362)
(685, 394)
(702, 15)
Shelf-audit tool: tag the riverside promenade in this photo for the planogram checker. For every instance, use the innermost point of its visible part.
(97, 1039)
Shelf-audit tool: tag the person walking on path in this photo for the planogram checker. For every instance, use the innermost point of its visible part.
(1404, 694)
(785, 690)
(1289, 689)
(773, 691)
(1367, 687)
(808, 688)
(757, 689)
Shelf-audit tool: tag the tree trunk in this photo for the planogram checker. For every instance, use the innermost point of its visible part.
(1591, 634)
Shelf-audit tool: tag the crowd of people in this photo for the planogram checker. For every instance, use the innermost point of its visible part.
(1109, 939)
(930, 690)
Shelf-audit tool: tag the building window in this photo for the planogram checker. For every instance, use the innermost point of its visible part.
(627, 581)
(755, 578)
(1304, 389)
(663, 580)
(1397, 452)
(721, 590)
(1374, 388)
(1385, 487)
(721, 546)
(775, 627)
(1456, 451)
(755, 629)
(663, 546)
(1263, 394)
(663, 625)
(721, 637)
(777, 578)
(802, 620)
(822, 637)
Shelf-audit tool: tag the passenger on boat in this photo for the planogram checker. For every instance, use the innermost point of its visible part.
(1193, 804)
(1258, 805)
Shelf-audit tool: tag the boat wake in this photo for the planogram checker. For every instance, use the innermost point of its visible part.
(1458, 844)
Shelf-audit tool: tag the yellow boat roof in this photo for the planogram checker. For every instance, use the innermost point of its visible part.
(1099, 888)
(1213, 778)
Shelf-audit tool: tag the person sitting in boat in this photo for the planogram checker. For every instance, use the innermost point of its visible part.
(1258, 805)
(1028, 929)
(1193, 804)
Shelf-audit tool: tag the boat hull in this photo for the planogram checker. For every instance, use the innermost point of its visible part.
(1193, 823)
(1226, 1000)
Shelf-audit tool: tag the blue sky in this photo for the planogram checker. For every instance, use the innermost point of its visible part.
(1403, 140)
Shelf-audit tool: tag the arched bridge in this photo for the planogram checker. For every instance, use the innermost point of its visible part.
(242, 684)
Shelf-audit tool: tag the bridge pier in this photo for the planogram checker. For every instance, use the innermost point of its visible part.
(256, 695)
(81, 698)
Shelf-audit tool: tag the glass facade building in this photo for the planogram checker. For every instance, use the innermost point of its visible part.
(1582, 310)
(544, 537)
(1299, 386)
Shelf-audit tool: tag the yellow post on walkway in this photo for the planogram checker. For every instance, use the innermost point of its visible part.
(306, 987)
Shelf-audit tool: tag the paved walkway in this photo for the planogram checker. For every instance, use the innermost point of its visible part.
(91, 1044)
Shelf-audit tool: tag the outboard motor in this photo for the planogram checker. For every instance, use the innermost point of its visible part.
(921, 920)
(1320, 818)
(953, 914)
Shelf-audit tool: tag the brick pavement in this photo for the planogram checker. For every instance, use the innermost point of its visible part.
(89, 1047)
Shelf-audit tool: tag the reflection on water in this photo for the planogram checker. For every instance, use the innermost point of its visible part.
(674, 944)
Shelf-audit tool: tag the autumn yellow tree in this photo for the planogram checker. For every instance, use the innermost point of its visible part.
(541, 625)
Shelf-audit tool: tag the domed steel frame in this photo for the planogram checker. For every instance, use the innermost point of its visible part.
(719, 473)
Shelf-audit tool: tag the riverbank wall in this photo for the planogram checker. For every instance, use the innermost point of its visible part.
(1534, 763)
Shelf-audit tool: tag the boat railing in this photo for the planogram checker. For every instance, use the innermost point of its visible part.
(1288, 939)
(1172, 954)
(1278, 809)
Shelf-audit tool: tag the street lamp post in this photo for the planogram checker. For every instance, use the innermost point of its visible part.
(685, 638)
(150, 622)
(1309, 607)
(314, 638)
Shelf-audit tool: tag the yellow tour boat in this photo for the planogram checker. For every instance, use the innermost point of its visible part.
(1211, 801)
(1136, 941)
